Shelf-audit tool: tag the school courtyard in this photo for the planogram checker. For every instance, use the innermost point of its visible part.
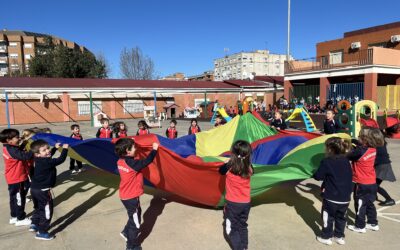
(89, 215)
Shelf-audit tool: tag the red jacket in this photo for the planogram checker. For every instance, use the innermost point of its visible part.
(78, 136)
(121, 134)
(15, 164)
(171, 133)
(142, 132)
(363, 168)
(104, 133)
(131, 185)
(237, 188)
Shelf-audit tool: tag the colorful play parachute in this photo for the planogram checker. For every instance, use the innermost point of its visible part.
(188, 166)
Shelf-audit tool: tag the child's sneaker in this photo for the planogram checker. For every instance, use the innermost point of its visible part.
(124, 236)
(373, 227)
(324, 241)
(13, 220)
(24, 222)
(74, 172)
(356, 229)
(44, 236)
(33, 228)
(340, 240)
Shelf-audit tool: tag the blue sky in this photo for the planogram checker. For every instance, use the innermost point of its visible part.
(186, 36)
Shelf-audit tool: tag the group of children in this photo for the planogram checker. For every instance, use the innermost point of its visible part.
(344, 170)
(120, 130)
(359, 170)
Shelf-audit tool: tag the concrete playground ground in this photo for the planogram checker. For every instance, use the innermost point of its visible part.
(89, 215)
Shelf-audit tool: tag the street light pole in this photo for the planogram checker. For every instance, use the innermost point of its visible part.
(288, 34)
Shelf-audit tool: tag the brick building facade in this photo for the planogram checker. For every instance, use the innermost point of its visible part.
(47, 100)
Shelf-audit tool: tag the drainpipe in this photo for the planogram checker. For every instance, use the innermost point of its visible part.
(7, 112)
(91, 110)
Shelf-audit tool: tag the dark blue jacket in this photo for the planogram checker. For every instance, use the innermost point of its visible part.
(382, 155)
(331, 127)
(45, 173)
(336, 174)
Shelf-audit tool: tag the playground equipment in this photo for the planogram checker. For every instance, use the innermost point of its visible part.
(300, 110)
(223, 113)
(150, 117)
(351, 117)
(191, 112)
(247, 104)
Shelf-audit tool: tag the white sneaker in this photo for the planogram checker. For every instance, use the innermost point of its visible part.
(373, 227)
(356, 229)
(340, 241)
(324, 241)
(74, 172)
(24, 222)
(13, 220)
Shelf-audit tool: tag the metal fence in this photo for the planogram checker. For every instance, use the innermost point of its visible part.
(352, 92)
(308, 93)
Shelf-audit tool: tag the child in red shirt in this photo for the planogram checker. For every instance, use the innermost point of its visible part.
(120, 130)
(143, 128)
(131, 187)
(75, 133)
(105, 131)
(364, 178)
(171, 132)
(15, 170)
(238, 171)
(194, 128)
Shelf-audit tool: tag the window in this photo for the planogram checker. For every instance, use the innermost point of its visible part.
(13, 55)
(28, 45)
(12, 44)
(14, 66)
(336, 57)
(84, 107)
(27, 56)
(380, 45)
(133, 106)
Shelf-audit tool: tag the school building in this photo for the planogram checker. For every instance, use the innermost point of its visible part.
(46, 100)
(363, 64)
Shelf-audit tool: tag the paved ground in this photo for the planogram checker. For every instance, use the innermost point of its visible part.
(89, 215)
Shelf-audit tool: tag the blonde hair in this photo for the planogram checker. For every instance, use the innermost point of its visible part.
(27, 134)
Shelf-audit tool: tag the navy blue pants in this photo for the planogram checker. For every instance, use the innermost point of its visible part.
(43, 213)
(72, 165)
(132, 227)
(235, 224)
(17, 194)
(364, 197)
(333, 215)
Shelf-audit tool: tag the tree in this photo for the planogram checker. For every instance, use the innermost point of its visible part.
(61, 61)
(135, 65)
(103, 60)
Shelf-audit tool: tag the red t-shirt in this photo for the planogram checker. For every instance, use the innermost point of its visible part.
(131, 185)
(363, 169)
(15, 170)
(105, 133)
(237, 188)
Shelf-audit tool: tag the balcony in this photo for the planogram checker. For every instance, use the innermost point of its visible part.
(3, 60)
(3, 49)
(371, 56)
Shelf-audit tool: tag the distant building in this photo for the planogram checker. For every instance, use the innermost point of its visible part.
(363, 64)
(18, 47)
(206, 76)
(245, 65)
(175, 77)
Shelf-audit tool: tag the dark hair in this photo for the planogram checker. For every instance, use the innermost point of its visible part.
(337, 146)
(143, 123)
(102, 120)
(8, 134)
(73, 126)
(36, 145)
(390, 131)
(240, 162)
(122, 145)
(193, 120)
(173, 121)
(116, 126)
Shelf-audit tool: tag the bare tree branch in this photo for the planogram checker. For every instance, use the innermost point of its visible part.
(135, 65)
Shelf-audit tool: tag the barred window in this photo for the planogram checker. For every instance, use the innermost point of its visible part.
(133, 106)
(84, 107)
